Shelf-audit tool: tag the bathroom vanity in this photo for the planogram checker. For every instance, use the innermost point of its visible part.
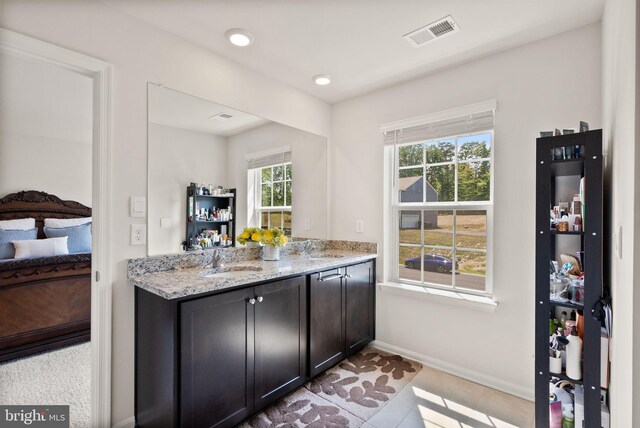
(214, 346)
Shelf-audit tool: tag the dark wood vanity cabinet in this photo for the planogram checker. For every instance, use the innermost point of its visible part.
(326, 318)
(213, 361)
(280, 331)
(342, 314)
(216, 359)
(359, 306)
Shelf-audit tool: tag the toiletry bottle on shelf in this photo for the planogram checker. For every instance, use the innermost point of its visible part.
(580, 326)
(574, 355)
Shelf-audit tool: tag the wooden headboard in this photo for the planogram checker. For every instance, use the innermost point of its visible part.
(39, 205)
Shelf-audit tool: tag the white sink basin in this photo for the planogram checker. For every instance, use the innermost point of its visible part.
(232, 272)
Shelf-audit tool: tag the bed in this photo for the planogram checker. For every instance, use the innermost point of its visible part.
(45, 302)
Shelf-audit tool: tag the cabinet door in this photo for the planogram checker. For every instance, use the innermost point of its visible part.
(327, 342)
(217, 360)
(360, 310)
(280, 339)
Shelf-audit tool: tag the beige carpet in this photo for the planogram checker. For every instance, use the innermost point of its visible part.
(346, 395)
(62, 376)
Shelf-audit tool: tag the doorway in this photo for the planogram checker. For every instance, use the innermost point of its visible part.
(21, 47)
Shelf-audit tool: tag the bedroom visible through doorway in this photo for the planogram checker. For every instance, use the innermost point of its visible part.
(54, 117)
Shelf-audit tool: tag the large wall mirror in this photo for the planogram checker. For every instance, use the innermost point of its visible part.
(278, 173)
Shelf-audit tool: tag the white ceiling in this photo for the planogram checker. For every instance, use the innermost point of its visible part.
(179, 110)
(359, 42)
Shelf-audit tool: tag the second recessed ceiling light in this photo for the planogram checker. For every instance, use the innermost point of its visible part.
(239, 37)
(322, 79)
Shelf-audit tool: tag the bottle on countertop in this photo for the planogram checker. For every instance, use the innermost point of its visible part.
(574, 355)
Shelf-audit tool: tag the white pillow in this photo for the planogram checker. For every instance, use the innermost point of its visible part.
(65, 222)
(41, 247)
(19, 224)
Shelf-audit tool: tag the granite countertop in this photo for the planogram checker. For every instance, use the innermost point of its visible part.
(180, 281)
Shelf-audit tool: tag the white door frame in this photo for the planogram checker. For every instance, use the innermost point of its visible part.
(15, 44)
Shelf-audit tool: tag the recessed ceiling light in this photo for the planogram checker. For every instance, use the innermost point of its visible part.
(239, 37)
(322, 79)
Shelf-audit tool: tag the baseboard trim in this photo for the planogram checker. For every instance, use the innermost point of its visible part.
(453, 369)
(127, 423)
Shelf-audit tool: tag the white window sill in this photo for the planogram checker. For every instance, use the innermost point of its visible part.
(472, 301)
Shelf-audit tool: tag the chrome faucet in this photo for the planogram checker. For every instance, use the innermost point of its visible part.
(216, 260)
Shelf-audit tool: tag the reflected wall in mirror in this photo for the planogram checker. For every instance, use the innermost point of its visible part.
(279, 173)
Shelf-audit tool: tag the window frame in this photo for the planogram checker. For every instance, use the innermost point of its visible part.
(395, 207)
(259, 208)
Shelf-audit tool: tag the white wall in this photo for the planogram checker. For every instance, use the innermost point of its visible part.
(620, 137)
(178, 157)
(45, 129)
(543, 85)
(140, 53)
(309, 162)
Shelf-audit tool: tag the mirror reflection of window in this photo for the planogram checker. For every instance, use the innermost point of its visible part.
(275, 197)
(270, 178)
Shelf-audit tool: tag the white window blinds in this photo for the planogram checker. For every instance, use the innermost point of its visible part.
(464, 120)
(269, 158)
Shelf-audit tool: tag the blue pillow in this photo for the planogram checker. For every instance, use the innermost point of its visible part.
(79, 237)
(7, 250)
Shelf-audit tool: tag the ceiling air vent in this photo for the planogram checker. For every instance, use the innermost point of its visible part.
(221, 116)
(432, 31)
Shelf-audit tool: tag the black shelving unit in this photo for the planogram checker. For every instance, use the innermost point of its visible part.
(590, 242)
(194, 227)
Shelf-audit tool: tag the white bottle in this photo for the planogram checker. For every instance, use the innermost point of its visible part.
(574, 355)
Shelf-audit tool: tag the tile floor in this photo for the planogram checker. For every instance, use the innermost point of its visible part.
(437, 399)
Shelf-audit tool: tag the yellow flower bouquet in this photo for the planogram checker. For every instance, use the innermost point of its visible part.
(250, 235)
(274, 237)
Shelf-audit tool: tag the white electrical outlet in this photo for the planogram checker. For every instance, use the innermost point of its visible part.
(307, 224)
(165, 223)
(359, 226)
(138, 234)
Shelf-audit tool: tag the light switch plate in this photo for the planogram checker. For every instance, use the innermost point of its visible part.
(307, 224)
(165, 223)
(359, 226)
(138, 234)
(138, 205)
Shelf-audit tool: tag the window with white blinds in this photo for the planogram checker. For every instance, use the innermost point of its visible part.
(440, 199)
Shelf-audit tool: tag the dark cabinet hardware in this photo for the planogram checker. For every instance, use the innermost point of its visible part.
(330, 277)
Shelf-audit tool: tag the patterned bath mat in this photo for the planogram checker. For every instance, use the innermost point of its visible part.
(303, 409)
(344, 396)
(365, 382)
